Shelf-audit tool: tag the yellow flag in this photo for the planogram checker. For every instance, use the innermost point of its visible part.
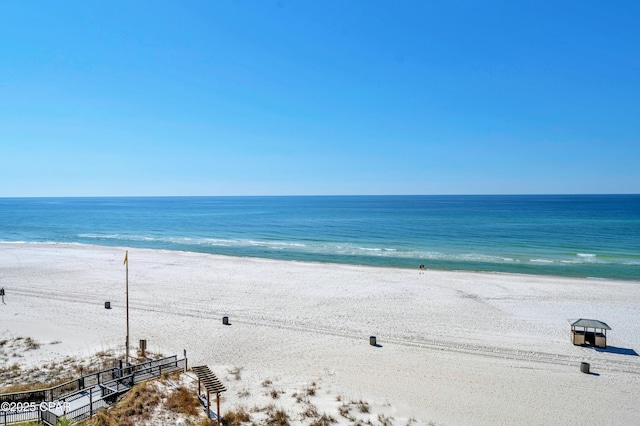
(126, 258)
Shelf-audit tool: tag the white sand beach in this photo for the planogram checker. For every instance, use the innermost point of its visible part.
(455, 348)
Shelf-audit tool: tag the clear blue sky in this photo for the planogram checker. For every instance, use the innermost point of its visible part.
(318, 97)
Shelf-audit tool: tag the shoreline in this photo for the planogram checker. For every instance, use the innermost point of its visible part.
(455, 347)
(319, 262)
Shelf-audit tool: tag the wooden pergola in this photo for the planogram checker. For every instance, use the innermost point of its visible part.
(580, 334)
(212, 385)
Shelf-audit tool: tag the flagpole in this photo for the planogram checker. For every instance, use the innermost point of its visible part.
(126, 262)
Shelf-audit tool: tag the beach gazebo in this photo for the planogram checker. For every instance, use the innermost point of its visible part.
(581, 334)
(212, 385)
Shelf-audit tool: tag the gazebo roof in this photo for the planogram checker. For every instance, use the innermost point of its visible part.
(208, 379)
(591, 323)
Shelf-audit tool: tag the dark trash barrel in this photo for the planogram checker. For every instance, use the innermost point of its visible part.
(225, 320)
(107, 305)
(584, 367)
(372, 340)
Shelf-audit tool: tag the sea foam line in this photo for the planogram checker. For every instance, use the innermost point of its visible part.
(347, 249)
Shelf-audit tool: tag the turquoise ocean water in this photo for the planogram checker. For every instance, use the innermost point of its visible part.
(577, 235)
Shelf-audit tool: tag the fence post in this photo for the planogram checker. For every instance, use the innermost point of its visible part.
(91, 403)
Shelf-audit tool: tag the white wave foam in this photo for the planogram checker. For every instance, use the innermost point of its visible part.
(42, 243)
(102, 236)
(346, 249)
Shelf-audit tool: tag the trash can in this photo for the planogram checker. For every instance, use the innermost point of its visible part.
(225, 320)
(107, 305)
(584, 367)
(372, 340)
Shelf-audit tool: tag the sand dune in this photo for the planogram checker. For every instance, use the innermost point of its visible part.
(454, 347)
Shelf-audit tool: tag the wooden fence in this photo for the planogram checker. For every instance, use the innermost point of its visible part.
(97, 389)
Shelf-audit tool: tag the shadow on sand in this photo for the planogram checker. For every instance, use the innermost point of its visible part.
(616, 350)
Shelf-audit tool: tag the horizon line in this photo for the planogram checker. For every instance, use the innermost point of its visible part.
(320, 195)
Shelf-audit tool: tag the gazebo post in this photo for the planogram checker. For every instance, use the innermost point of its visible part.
(208, 405)
(573, 334)
(218, 409)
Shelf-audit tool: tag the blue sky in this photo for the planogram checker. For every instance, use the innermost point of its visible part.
(318, 97)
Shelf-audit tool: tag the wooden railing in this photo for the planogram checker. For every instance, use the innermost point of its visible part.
(112, 382)
(111, 389)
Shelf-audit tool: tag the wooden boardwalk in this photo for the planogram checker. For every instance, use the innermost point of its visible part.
(81, 398)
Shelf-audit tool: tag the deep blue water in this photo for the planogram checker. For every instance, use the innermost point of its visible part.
(570, 235)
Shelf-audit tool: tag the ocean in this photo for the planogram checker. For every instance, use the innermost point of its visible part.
(564, 235)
